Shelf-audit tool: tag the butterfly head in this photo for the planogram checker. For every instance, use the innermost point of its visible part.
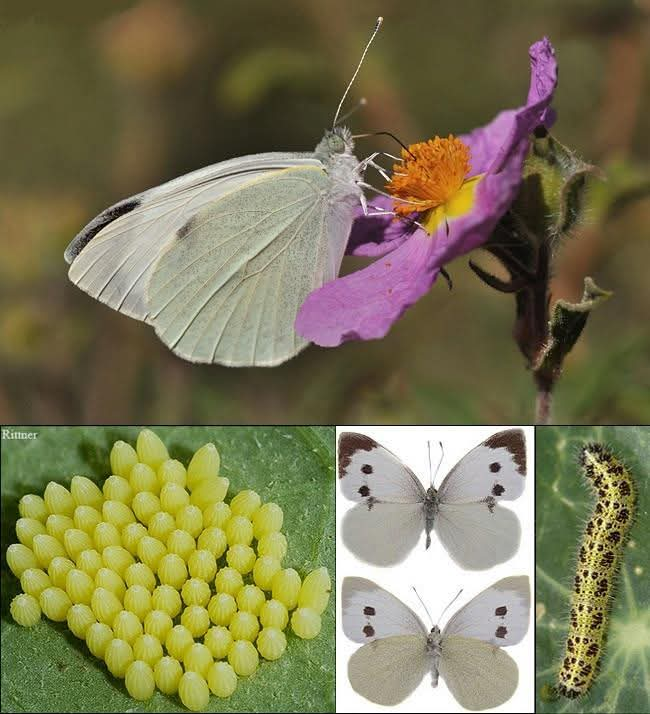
(335, 141)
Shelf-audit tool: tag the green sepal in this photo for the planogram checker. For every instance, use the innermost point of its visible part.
(565, 327)
(552, 196)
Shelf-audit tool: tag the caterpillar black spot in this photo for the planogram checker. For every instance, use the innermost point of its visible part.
(599, 557)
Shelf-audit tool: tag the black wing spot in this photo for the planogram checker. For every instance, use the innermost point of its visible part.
(495, 467)
(369, 631)
(501, 632)
(501, 611)
(498, 490)
(364, 491)
(112, 213)
(368, 610)
(366, 468)
(186, 228)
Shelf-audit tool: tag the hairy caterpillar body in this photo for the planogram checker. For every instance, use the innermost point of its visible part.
(598, 561)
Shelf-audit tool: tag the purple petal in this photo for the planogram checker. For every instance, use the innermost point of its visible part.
(372, 236)
(364, 305)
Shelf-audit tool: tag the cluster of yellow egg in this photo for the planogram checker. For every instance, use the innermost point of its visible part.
(159, 562)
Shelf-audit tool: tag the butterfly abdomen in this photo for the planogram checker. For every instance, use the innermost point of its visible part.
(599, 557)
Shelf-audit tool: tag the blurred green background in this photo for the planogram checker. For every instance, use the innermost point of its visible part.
(101, 100)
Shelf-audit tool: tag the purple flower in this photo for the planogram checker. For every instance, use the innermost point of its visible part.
(457, 189)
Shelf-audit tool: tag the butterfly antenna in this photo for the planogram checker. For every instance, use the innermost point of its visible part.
(423, 605)
(450, 604)
(432, 476)
(356, 71)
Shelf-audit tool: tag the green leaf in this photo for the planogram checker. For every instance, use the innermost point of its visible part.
(563, 504)
(46, 668)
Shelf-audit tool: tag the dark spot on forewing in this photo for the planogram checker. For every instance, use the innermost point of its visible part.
(498, 490)
(366, 468)
(495, 467)
(513, 441)
(369, 610)
(501, 632)
(364, 491)
(349, 443)
(369, 631)
(501, 611)
(89, 231)
(186, 228)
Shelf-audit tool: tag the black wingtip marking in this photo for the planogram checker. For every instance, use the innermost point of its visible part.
(514, 441)
(112, 213)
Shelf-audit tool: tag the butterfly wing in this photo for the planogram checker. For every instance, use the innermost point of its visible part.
(389, 517)
(479, 675)
(383, 533)
(478, 535)
(367, 470)
(477, 532)
(387, 671)
(495, 469)
(394, 659)
(499, 615)
(371, 613)
(228, 287)
(113, 256)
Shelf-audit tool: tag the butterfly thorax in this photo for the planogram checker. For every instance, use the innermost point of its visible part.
(430, 511)
(434, 639)
(335, 151)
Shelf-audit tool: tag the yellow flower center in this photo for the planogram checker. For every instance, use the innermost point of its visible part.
(431, 179)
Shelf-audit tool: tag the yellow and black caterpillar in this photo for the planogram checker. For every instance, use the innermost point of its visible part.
(599, 557)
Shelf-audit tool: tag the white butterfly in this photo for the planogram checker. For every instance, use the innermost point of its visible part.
(220, 260)
(398, 650)
(394, 508)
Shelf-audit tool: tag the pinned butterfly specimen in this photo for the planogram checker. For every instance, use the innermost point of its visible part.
(220, 260)
(398, 650)
(393, 507)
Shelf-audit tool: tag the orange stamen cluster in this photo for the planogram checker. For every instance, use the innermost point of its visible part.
(430, 173)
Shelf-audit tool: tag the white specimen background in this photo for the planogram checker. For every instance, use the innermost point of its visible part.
(436, 577)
